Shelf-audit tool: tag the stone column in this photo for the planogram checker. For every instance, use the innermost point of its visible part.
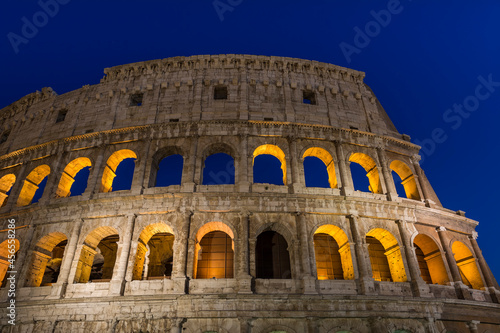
(490, 284)
(296, 183)
(53, 180)
(117, 284)
(243, 183)
(461, 289)
(346, 187)
(419, 287)
(392, 194)
(419, 180)
(180, 249)
(365, 280)
(188, 172)
(16, 189)
(308, 280)
(59, 288)
(242, 269)
(139, 175)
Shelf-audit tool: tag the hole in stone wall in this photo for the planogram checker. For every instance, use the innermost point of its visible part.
(328, 262)
(215, 257)
(160, 256)
(175, 120)
(315, 172)
(218, 170)
(272, 258)
(124, 175)
(54, 264)
(40, 189)
(104, 260)
(308, 97)
(359, 179)
(268, 119)
(136, 99)
(378, 260)
(170, 171)
(220, 92)
(61, 115)
(80, 184)
(4, 136)
(267, 170)
(400, 189)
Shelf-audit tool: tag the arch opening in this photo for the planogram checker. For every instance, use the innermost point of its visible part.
(154, 257)
(467, 266)
(319, 174)
(371, 169)
(98, 256)
(267, 160)
(169, 171)
(34, 185)
(218, 169)
(333, 254)
(215, 256)
(430, 260)
(407, 179)
(6, 183)
(272, 256)
(118, 172)
(46, 260)
(385, 256)
(8, 250)
(74, 178)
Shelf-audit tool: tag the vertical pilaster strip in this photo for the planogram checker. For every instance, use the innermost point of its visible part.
(490, 284)
(347, 186)
(388, 180)
(181, 244)
(117, 283)
(365, 279)
(419, 287)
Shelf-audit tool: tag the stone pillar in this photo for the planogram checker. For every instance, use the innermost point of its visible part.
(139, 175)
(346, 187)
(296, 183)
(419, 287)
(59, 288)
(22, 253)
(308, 280)
(490, 284)
(419, 180)
(188, 172)
(243, 171)
(472, 325)
(117, 284)
(365, 280)
(242, 269)
(461, 289)
(392, 194)
(53, 180)
(181, 243)
(95, 176)
(16, 189)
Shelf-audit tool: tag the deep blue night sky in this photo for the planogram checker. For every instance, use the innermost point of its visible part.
(423, 60)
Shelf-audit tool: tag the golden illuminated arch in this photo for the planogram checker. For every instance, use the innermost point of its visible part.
(407, 179)
(430, 259)
(31, 184)
(6, 183)
(109, 173)
(371, 170)
(326, 158)
(142, 249)
(4, 255)
(89, 250)
(204, 230)
(344, 250)
(467, 265)
(68, 176)
(42, 254)
(392, 253)
(274, 151)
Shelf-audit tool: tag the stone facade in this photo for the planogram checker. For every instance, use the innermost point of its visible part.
(243, 106)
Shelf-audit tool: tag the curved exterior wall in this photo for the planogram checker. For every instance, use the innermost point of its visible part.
(264, 112)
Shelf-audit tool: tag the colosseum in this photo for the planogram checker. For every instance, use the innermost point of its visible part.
(171, 247)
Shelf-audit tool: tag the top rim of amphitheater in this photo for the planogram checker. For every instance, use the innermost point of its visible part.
(146, 63)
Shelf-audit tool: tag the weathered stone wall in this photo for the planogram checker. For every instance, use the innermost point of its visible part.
(258, 88)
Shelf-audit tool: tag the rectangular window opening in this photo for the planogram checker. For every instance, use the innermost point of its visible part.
(220, 92)
(176, 120)
(136, 99)
(4, 137)
(308, 97)
(268, 119)
(61, 115)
